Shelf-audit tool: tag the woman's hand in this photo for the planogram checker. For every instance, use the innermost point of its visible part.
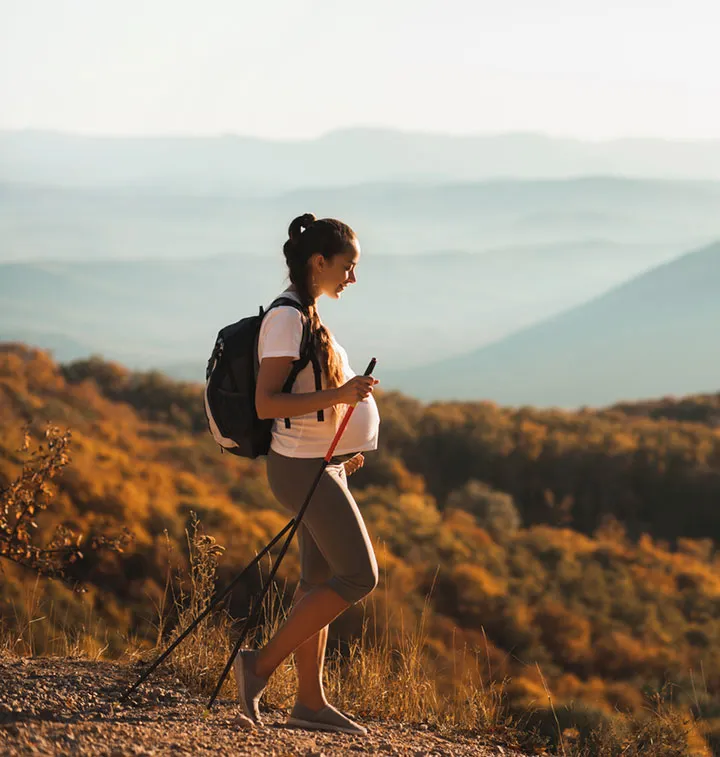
(356, 390)
(354, 464)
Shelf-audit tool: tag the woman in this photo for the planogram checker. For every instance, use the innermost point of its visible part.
(338, 565)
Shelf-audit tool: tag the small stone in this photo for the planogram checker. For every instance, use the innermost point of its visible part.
(243, 721)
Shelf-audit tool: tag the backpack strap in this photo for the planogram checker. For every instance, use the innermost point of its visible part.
(308, 353)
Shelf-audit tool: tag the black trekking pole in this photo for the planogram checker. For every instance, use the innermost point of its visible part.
(257, 605)
(211, 606)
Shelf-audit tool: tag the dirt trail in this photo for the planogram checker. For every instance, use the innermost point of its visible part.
(58, 706)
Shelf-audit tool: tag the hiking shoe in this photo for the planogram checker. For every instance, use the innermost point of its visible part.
(250, 687)
(325, 719)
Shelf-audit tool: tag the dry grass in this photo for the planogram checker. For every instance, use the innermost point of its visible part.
(392, 678)
(385, 675)
(582, 731)
(198, 661)
(41, 626)
(662, 732)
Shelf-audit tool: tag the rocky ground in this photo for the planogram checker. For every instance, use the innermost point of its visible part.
(53, 706)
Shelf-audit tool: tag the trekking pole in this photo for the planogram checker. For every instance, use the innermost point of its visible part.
(211, 606)
(257, 605)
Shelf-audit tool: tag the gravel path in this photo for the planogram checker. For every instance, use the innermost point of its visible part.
(54, 706)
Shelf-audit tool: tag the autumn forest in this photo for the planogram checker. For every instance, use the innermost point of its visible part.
(573, 552)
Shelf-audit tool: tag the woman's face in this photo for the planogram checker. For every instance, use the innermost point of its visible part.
(331, 277)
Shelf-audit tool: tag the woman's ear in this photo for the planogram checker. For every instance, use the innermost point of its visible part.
(317, 262)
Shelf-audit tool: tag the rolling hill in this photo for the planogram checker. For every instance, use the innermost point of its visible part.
(652, 336)
(582, 545)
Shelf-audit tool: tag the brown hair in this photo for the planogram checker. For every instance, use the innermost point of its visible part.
(329, 237)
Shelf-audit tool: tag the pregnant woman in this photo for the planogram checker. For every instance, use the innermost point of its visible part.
(338, 565)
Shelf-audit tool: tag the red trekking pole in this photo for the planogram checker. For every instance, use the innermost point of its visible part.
(257, 606)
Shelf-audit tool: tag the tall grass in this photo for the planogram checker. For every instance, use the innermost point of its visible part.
(393, 678)
(386, 675)
(200, 658)
(40, 625)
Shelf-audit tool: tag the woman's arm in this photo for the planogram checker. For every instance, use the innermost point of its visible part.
(272, 402)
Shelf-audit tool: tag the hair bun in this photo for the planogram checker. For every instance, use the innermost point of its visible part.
(299, 225)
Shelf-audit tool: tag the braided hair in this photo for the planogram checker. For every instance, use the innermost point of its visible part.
(307, 236)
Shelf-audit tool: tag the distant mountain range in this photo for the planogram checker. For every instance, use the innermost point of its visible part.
(405, 310)
(51, 223)
(519, 326)
(500, 263)
(652, 336)
(234, 164)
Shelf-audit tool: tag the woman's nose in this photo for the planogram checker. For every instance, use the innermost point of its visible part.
(351, 277)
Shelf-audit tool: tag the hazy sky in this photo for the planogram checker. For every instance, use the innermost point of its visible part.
(294, 68)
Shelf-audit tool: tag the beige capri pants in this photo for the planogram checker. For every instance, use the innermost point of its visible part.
(335, 549)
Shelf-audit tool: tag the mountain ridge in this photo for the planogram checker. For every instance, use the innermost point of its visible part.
(546, 363)
(254, 163)
(354, 131)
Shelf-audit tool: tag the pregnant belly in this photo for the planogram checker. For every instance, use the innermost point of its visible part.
(362, 429)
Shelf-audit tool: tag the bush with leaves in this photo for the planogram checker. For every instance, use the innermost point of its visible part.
(28, 495)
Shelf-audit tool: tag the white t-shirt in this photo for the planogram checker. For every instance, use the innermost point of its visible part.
(281, 336)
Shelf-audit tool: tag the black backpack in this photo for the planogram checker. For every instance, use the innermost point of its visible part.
(230, 383)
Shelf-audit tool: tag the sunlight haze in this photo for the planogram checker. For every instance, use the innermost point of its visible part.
(286, 70)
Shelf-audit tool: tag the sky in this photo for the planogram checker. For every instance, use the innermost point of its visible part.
(296, 69)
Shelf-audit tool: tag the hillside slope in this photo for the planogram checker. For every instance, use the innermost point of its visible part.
(652, 336)
(527, 537)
